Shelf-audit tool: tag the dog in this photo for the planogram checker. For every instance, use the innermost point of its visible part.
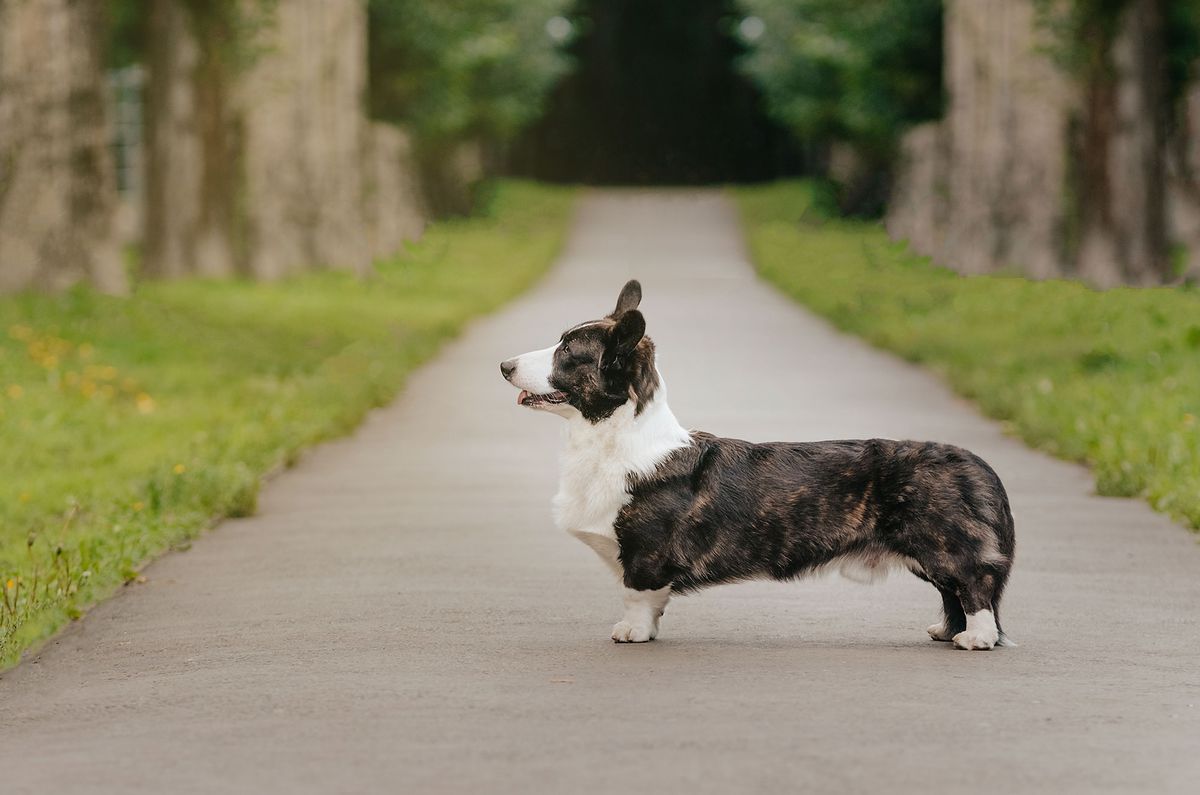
(672, 511)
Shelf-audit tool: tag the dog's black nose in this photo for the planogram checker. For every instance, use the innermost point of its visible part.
(508, 368)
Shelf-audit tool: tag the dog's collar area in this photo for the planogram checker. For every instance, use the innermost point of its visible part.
(527, 398)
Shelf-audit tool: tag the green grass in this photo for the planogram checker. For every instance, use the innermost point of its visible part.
(132, 424)
(1111, 378)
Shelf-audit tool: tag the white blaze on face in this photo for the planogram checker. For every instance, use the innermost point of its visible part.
(533, 371)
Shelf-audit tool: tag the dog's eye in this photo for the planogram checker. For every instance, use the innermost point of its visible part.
(566, 348)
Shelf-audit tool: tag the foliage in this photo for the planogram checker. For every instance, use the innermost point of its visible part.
(131, 424)
(226, 27)
(1181, 28)
(127, 22)
(462, 68)
(1108, 378)
(857, 72)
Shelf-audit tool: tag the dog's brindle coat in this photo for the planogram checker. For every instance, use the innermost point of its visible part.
(711, 510)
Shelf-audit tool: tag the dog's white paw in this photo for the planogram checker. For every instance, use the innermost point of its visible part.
(625, 632)
(974, 639)
(939, 631)
(981, 632)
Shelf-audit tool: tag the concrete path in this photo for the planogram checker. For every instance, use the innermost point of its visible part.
(402, 617)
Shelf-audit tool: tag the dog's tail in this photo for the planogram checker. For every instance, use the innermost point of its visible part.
(1007, 543)
(1002, 639)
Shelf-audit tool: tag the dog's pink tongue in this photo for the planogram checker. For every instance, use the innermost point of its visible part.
(521, 397)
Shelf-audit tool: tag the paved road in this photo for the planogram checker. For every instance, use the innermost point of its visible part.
(402, 617)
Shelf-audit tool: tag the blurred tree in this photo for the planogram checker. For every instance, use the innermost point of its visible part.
(458, 71)
(195, 51)
(260, 157)
(1068, 146)
(57, 185)
(858, 74)
(1133, 61)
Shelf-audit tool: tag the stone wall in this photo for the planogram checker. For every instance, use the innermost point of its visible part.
(263, 161)
(57, 187)
(1034, 168)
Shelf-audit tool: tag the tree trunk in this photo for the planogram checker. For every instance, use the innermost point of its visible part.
(992, 198)
(1184, 183)
(1124, 209)
(259, 146)
(1053, 173)
(191, 147)
(394, 208)
(57, 179)
(449, 173)
(303, 104)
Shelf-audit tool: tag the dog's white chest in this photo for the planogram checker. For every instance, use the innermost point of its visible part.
(596, 465)
(592, 490)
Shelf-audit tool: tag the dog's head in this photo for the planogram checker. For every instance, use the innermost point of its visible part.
(594, 368)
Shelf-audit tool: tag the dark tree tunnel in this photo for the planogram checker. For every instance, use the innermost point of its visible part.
(655, 99)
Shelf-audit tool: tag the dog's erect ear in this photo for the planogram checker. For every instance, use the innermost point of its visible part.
(628, 332)
(630, 297)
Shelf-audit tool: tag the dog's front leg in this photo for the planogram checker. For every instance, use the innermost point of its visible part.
(642, 611)
(643, 608)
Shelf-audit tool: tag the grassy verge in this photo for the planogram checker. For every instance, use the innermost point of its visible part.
(1111, 379)
(131, 424)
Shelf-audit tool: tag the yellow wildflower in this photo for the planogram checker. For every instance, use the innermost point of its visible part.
(139, 505)
(145, 403)
(10, 584)
(15, 391)
(179, 469)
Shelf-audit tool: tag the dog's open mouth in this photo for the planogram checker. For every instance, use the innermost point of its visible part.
(552, 398)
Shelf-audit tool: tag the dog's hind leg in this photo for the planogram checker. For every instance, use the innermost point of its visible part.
(643, 609)
(978, 597)
(953, 620)
(970, 598)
